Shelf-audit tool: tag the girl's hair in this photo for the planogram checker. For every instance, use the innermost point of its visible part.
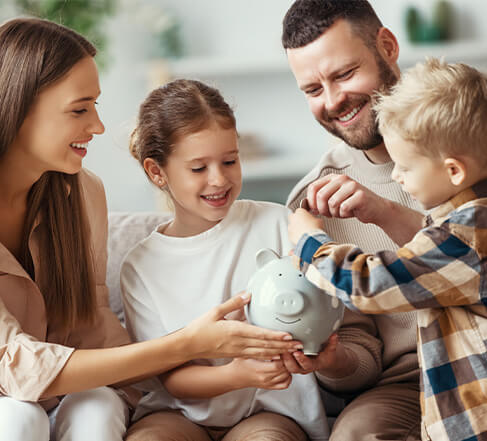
(175, 110)
(440, 107)
(34, 54)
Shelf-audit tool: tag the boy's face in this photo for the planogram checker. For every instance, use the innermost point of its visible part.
(424, 178)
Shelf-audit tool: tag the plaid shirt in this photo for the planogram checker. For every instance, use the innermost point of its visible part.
(442, 274)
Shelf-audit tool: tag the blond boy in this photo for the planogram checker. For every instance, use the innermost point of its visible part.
(434, 124)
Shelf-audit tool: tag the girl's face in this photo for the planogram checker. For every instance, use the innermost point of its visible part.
(60, 123)
(204, 178)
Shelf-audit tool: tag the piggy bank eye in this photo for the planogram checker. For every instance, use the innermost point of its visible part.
(280, 274)
(300, 275)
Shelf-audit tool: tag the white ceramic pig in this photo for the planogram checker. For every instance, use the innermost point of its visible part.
(284, 300)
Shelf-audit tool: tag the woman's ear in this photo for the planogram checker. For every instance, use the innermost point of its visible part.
(456, 169)
(155, 172)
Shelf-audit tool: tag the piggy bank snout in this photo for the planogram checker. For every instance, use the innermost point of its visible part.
(288, 303)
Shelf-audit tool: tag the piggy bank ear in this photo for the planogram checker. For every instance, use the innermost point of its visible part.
(265, 255)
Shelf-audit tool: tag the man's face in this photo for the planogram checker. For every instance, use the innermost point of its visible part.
(339, 74)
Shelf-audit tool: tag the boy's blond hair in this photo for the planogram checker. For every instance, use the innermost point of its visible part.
(440, 107)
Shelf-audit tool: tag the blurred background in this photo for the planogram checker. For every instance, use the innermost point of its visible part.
(235, 46)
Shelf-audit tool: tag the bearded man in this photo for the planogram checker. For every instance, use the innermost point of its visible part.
(340, 55)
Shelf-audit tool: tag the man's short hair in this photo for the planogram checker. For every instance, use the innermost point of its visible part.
(440, 107)
(306, 20)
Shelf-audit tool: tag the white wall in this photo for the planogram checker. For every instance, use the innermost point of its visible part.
(269, 105)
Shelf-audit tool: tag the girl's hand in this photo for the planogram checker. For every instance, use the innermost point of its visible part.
(301, 222)
(259, 374)
(211, 336)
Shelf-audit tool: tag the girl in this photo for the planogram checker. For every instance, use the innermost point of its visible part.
(53, 228)
(186, 141)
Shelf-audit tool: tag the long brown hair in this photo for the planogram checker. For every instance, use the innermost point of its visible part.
(170, 112)
(34, 54)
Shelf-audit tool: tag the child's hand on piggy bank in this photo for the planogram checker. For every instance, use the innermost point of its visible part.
(302, 222)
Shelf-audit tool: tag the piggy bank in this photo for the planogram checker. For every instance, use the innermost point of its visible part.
(284, 300)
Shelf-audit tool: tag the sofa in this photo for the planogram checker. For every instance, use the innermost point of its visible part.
(125, 229)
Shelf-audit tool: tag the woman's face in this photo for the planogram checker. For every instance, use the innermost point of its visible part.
(60, 123)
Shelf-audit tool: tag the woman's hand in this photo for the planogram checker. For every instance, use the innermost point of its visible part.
(301, 222)
(211, 336)
(259, 374)
(237, 314)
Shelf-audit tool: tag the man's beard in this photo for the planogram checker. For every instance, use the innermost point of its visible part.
(366, 136)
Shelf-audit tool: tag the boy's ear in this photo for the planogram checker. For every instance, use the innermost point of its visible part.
(155, 172)
(456, 170)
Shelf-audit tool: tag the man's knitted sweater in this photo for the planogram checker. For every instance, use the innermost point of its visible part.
(385, 344)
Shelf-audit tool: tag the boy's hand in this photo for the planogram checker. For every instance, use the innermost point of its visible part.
(260, 374)
(301, 222)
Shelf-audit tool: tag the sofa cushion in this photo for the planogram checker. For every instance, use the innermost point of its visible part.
(125, 230)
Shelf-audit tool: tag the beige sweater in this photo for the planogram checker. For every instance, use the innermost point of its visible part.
(384, 344)
(33, 351)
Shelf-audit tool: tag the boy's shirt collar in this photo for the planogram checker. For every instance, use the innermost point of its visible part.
(477, 191)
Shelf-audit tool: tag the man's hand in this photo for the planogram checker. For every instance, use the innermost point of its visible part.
(301, 222)
(342, 197)
(333, 361)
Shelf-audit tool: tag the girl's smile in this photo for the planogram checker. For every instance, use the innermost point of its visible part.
(203, 178)
(217, 199)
